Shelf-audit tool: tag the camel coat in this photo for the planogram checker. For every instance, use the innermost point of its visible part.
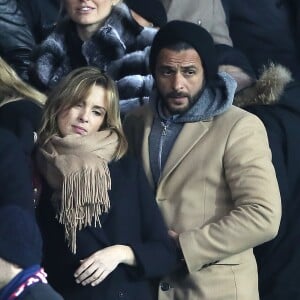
(207, 13)
(219, 191)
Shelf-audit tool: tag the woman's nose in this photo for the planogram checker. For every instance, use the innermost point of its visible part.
(84, 116)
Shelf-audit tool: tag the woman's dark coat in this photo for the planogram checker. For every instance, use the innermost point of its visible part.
(265, 30)
(134, 219)
(120, 47)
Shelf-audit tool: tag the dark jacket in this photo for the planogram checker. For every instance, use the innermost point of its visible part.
(134, 219)
(41, 16)
(16, 40)
(278, 260)
(22, 117)
(15, 176)
(265, 30)
(120, 47)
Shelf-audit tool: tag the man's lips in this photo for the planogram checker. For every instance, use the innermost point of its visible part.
(177, 100)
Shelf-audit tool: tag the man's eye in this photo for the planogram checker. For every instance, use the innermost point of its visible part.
(190, 72)
(166, 72)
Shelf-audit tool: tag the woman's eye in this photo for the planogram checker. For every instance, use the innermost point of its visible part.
(80, 104)
(97, 113)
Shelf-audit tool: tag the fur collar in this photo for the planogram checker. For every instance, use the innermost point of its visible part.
(267, 90)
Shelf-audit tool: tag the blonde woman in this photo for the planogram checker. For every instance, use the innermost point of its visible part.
(104, 237)
(100, 33)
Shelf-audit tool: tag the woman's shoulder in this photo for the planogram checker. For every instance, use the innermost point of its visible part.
(126, 163)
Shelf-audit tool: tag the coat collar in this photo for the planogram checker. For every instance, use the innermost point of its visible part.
(189, 136)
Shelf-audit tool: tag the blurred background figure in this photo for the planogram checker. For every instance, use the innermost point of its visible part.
(148, 13)
(266, 31)
(274, 98)
(21, 275)
(20, 114)
(41, 16)
(20, 106)
(16, 39)
(207, 13)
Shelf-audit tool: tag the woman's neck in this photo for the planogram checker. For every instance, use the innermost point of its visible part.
(86, 32)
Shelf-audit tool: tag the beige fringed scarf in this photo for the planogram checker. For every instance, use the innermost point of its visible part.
(76, 167)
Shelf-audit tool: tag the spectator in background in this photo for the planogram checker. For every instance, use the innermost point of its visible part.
(41, 16)
(20, 107)
(207, 13)
(275, 100)
(210, 165)
(101, 34)
(20, 113)
(21, 276)
(266, 31)
(148, 13)
(16, 39)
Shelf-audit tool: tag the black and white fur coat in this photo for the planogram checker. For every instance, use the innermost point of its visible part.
(120, 48)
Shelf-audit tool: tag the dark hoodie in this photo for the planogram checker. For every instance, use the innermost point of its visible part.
(278, 106)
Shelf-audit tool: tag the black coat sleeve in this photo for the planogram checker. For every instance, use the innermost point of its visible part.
(156, 254)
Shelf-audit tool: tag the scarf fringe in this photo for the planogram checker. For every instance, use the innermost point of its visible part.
(84, 199)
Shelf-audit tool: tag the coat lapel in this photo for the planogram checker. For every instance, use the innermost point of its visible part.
(189, 136)
(148, 120)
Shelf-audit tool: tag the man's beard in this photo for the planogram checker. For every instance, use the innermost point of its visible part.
(181, 110)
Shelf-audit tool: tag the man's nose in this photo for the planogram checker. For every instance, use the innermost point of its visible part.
(177, 81)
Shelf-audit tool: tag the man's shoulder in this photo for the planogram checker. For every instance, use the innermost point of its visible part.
(235, 115)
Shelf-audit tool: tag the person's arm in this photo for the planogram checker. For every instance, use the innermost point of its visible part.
(219, 30)
(255, 216)
(156, 254)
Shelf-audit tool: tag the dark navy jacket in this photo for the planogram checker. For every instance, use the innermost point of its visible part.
(279, 260)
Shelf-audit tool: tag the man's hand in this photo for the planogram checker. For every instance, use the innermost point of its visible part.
(175, 236)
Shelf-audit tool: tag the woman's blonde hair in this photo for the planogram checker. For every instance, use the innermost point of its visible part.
(73, 89)
(12, 87)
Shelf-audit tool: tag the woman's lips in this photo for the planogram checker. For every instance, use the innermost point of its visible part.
(79, 130)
